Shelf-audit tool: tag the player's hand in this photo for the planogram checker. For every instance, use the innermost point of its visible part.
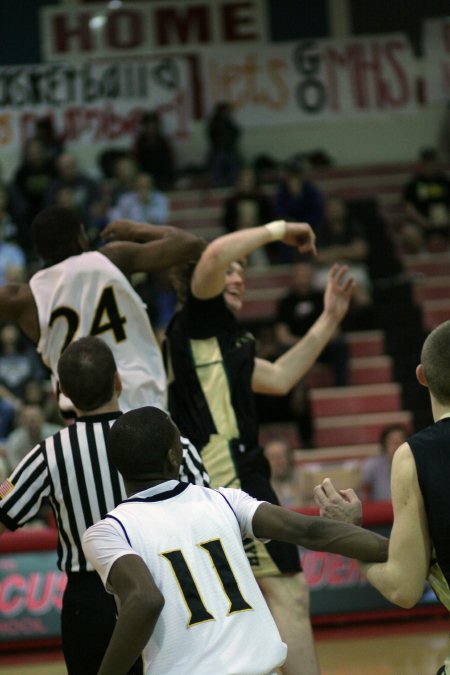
(300, 235)
(342, 505)
(338, 292)
(119, 230)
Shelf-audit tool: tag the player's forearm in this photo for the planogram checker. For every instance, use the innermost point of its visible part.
(134, 627)
(319, 534)
(344, 539)
(297, 361)
(236, 245)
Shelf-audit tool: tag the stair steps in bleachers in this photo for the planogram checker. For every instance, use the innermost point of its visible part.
(369, 398)
(363, 370)
(355, 429)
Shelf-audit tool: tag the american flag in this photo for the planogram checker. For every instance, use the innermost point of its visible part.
(5, 488)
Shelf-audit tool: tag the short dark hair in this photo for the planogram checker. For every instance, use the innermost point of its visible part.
(387, 431)
(435, 359)
(86, 372)
(150, 433)
(55, 233)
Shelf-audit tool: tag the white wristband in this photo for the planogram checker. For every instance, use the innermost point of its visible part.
(277, 229)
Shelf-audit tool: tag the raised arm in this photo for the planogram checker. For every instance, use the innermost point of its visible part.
(209, 276)
(279, 377)
(17, 304)
(140, 247)
(401, 579)
(141, 603)
(318, 534)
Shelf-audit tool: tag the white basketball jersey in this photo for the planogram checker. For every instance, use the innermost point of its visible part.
(88, 295)
(215, 619)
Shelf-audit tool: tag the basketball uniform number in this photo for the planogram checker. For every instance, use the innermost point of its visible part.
(198, 613)
(106, 318)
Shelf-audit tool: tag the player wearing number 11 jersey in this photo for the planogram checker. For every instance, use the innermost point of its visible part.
(173, 556)
(80, 293)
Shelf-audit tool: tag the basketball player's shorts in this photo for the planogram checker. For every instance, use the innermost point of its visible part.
(274, 557)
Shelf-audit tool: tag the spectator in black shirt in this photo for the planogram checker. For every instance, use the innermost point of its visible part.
(427, 206)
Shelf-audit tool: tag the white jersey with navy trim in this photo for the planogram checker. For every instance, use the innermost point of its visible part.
(215, 619)
(85, 295)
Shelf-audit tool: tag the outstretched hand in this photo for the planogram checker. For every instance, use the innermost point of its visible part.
(338, 292)
(301, 236)
(342, 505)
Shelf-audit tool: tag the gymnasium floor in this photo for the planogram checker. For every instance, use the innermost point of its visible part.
(392, 649)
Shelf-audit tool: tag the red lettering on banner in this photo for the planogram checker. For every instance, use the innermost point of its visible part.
(334, 60)
(41, 592)
(12, 591)
(5, 129)
(37, 593)
(236, 24)
(241, 83)
(325, 569)
(404, 94)
(63, 33)
(26, 626)
(366, 67)
(124, 29)
(171, 28)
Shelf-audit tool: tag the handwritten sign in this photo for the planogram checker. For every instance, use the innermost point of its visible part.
(312, 80)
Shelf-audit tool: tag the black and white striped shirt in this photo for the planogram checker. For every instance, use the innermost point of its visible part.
(73, 471)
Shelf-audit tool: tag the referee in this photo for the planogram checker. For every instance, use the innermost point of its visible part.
(72, 470)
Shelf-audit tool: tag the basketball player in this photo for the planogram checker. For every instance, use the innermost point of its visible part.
(173, 556)
(81, 292)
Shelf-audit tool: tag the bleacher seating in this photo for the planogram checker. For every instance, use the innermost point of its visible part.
(348, 420)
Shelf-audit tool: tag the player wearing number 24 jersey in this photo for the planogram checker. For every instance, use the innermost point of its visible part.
(80, 293)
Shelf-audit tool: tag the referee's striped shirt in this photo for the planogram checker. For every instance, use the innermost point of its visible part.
(73, 471)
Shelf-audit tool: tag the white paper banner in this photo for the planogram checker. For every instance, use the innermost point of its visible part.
(312, 80)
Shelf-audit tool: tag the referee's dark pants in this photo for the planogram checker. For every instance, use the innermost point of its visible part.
(88, 618)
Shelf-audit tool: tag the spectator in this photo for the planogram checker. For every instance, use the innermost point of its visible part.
(124, 174)
(9, 231)
(83, 189)
(427, 206)
(31, 430)
(31, 182)
(153, 152)
(296, 313)
(298, 199)
(283, 476)
(224, 157)
(45, 131)
(376, 471)
(145, 204)
(248, 206)
(343, 239)
(18, 361)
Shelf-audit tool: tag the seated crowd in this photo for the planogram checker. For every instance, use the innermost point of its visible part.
(135, 183)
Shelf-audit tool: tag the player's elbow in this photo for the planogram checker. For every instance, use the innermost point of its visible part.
(405, 597)
(145, 606)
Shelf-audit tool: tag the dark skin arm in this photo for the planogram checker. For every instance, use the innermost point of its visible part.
(141, 603)
(17, 304)
(140, 247)
(162, 247)
(318, 533)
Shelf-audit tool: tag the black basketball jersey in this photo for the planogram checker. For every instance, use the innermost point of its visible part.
(431, 451)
